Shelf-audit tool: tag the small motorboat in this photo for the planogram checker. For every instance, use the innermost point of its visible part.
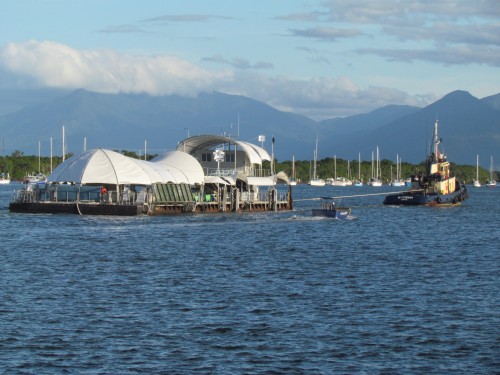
(329, 209)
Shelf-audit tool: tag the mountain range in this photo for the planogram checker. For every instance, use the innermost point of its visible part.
(468, 126)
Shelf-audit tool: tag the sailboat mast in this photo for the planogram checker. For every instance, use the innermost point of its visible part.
(315, 157)
(50, 154)
(39, 156)
(359, 166)
(63, 146)
(477, 167)
(435, 139)
(335, 166)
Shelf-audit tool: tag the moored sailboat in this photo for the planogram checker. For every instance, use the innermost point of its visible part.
(315, 181)
(375, 179)
(491, 182)
(293, 180)
(4, 176)
(476, 182)
(359, 181)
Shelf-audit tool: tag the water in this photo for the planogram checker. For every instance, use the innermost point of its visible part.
(397, 291)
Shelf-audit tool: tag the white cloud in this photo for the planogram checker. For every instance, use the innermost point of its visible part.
(57, 65)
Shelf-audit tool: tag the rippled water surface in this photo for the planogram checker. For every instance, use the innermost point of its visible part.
(399, 290)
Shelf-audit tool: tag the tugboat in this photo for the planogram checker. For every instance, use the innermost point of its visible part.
(329, 209)
(437, 187)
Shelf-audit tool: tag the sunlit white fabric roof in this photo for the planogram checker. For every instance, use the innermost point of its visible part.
(255, 153)
(280, 177)
(100, 166)
(180, 162)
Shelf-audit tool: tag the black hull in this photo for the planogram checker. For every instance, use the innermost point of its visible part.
(419, 198)
(73, 208)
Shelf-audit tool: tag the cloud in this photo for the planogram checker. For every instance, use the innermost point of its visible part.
(457, 55)
(452, 28)
(326, 33)
(238, 63)
(56, 65)
(185, 18)
(122, 29)
(318, 98)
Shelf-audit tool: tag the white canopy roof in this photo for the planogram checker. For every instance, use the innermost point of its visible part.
(100, 166)
(280, 177)
(254, 153)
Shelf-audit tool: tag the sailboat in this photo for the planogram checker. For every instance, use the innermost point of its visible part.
(315, 181)
(491, 182)
(293, 180)
(4, 176)
(476, 182)
(398, 181)
(38, 178)
(337, 181)
(359, 181)
(375, 180)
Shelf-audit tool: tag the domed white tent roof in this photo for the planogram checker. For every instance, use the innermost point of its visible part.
(180, 162)
(100, 166)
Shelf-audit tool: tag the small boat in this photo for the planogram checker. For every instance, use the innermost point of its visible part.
(437, 187)
(4, 178)
(491, 182)
(375, 179)
(476, 182)
(329, 209)
(337, 181)
(35, 178)
(359, 181)
(315, 181)
(398, 181)
(293, 180)
(374, 182)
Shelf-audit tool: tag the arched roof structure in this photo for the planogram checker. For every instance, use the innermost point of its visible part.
(255, 154)
(100, 166)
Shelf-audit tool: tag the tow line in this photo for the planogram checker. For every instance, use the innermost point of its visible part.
(357, 195)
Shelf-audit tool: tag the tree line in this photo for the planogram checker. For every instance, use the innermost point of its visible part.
(19, 165)
(325, 168)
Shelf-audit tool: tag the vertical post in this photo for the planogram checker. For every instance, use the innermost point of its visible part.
(272, 156)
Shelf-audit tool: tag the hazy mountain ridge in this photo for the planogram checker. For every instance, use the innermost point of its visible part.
(124, 121)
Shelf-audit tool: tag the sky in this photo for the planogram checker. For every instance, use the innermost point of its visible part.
(321, 59)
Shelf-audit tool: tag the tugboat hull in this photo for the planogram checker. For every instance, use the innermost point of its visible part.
(419, 198)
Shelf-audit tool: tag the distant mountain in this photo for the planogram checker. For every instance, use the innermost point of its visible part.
(366, 122)
(468, 126)
(125, 121)
(492, 101)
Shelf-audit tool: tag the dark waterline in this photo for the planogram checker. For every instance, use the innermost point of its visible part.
(399, 290)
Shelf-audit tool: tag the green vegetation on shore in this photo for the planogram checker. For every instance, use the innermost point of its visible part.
(18, 165)
(325, 169)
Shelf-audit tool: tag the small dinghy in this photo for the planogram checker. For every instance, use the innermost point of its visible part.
(329, 209)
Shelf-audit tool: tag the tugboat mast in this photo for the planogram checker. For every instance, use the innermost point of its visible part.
(436, 139)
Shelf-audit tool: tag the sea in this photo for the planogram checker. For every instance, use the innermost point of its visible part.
(395, 290)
